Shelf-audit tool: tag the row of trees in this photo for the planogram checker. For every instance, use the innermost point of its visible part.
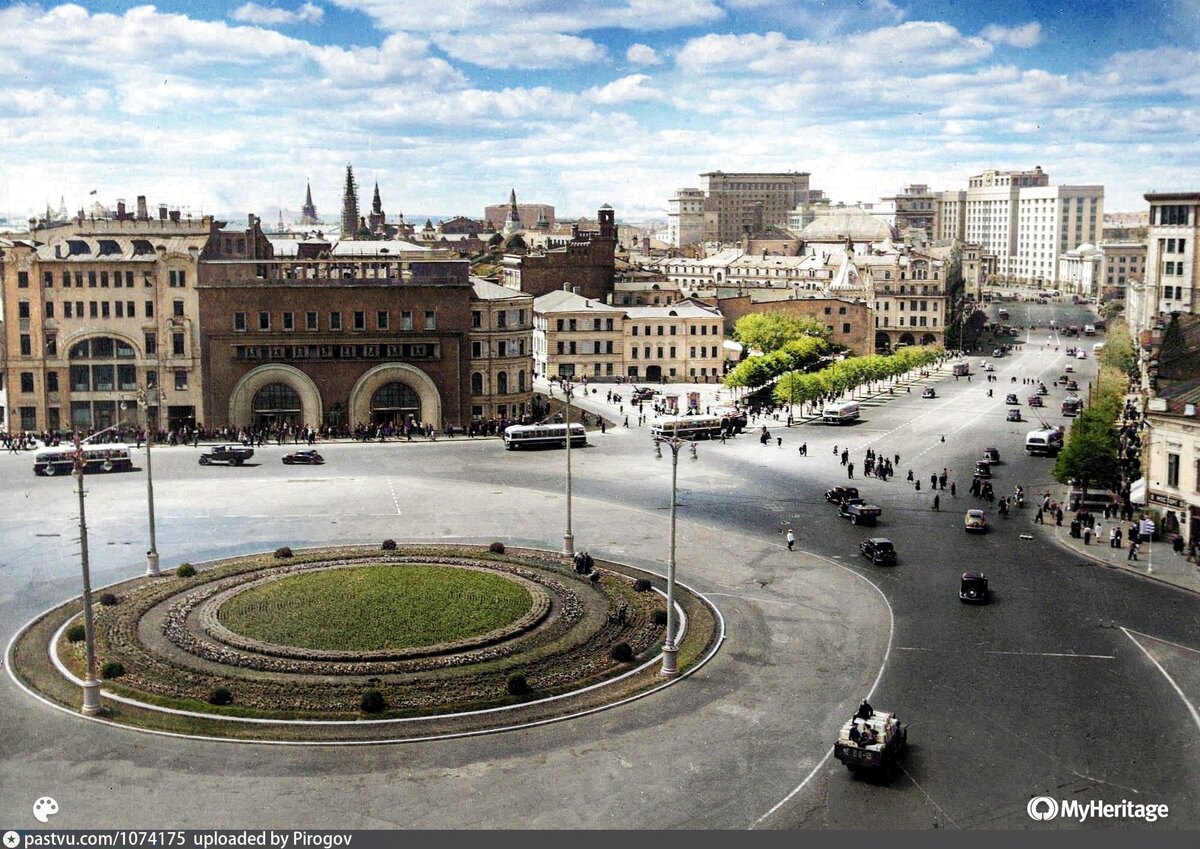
(797, 355)
(849, 374)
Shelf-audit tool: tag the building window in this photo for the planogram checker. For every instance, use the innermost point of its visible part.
(289, 321)
(476, 383)
(406, 320)
(120, 308)
(51, 381)
(177, 309)
(264, 321)
(310, 320)
(1173, 470)
(151, 341)
(335, 321)
(360, 320)
(22, 279)
(239, 321)
(430, 320)
(51, 346)
(477, 318)
(845, 328)
(177, 344)
(381, 320)
(26, 345)
(502, 319)
(180, 380)
(48, 279)
(476, 349)
(149, 309)
(104, 308)
(23, 309)
(26, 381)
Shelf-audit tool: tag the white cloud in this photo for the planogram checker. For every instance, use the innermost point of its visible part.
(520, 49)
(642, 54)
(625, 90)
(1026, 35)
(538, 15)
(253, 13)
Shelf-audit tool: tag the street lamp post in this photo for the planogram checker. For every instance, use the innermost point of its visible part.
(568, 536)
(91, 684)
(670, 651)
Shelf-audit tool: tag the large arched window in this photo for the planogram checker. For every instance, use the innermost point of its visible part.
(277, 403)
(395, 402)
(101, 366)
(476, 383)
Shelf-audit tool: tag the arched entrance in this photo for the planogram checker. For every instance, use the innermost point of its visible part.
(244, 409)
(883, 342)
(928, 339)
(276, 403)
(429, 400)
(653, 372)
(907, 339)
(395, 403)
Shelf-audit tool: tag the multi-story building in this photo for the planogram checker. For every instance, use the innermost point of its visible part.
(799, 274)
(501, 340)
(700, 275)
(910, 301)
(915, 209)
(97, 309)
(949, 216)
(679, 342)
(1171, 268)
(848, 323)
(1172, 458)
(575, 337)
(588, 261)
(1079, 271)
(1123, 261)
(685, 217)
(752, 201)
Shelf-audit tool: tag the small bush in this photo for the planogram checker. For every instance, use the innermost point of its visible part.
(389, 545)
(372, 701)
(76, 633)
(496, 548)
(641, 585)
(517, 685)
(220, 696)
(283, 553)
(622, 653)
(660, 617)
(108, 599)
(186, 570)
(112, 669)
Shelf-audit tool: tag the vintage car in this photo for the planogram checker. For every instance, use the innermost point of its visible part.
(992, 455)
(871, 742)
(1035, 401)
(973, 588)
(303, 458)
(983, 470)
(988, 367)
(1011, 398)
(1013, 416)
(928, 392)
(1081, 355)
(840, 493)
(641, 393)
(859, 512)
(1070, 369)
(1042, 390)
(231, 455)
(878, 550)
(1072, 386)
(975, 522)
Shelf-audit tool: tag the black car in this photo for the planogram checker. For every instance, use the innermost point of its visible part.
(839, 494)
(1013, 416)
(303, 458)
(878, 550)
(1011, 398)
(642, 393)
(859, 512)
(973, 588)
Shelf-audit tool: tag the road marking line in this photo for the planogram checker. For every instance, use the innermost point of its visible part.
(1191, 707)
(1054, 654)
(1161, 640)
(395, 499)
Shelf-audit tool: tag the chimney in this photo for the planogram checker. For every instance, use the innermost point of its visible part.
(575, 290)
(566, 287)
(162, 212)
(142, 214)
(120, 210)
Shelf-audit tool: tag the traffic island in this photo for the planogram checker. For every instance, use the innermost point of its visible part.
(362, 644)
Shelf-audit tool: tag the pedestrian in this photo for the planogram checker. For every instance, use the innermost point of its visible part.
(804, 449)
(937, 502)
(953, 489)
(850, 471)
(933, 481)
(627, 421)
(791, 540)
(1134, 547)
(918, 484)
(1038, 518)
(1087, 536)
(779, 441)
(1058, 517)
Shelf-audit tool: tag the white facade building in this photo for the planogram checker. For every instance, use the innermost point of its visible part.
(1080, 271)
(685, 217)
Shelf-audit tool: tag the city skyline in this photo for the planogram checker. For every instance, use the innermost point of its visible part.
(228, 106)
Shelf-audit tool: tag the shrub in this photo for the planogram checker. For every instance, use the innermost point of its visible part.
(108, 599)
(372, 701)
(641, 585)
(76, 633)
(220, 696)
(622, 653)
(660, 617)
(389, 545)
(283, 553)
(517, 685)
(496, 548)
(112, 669)
(186, 570)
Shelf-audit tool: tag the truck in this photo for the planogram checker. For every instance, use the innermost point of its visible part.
(230, 455)
(859, 512)
(842, 413)
(871, 744)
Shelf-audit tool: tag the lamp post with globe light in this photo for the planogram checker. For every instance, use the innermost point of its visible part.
(670, 649)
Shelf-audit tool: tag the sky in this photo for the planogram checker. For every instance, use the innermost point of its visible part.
(230, 107)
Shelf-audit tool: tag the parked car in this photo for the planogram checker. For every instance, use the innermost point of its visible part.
(859, 512)
(878, 550)
(973, 588)
(1011, 398)
(928, 392)
(840, 493)
(303, 458)
(231, 455)
(975, 522)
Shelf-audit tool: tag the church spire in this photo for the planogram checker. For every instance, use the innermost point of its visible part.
(308, 212)
(512, 222)
(376, 203)
(350, 216)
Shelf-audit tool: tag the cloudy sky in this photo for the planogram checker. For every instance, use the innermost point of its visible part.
(231, 106)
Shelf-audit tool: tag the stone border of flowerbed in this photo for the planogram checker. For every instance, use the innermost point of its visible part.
(31, 667)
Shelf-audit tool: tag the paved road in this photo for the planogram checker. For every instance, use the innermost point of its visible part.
(1042, 692)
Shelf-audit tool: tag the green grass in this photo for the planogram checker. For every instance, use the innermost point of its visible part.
(376, 607)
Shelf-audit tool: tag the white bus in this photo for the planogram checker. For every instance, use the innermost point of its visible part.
(690, 427)
(111, 457)
(521, 436)
(840, 413)
(1044, 442)
(961, 368)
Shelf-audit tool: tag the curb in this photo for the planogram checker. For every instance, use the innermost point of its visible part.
(1066, 546)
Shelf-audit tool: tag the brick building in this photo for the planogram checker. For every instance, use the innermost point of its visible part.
(587, 261)
(848, 323)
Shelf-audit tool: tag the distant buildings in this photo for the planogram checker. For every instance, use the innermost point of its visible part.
(1171, 271)
(587, 261)
(731, 204)
(915, 210)
(528, 214)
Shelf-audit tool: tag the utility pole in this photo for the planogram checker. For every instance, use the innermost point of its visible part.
(91, 684)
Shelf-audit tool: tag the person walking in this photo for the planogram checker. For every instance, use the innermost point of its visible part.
(850, 471)
(937, 502)
(1134, 547)
(791, 540)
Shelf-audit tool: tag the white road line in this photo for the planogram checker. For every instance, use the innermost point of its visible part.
(1161, 640)
(395, 498)
(1191, 707)
(1053, 654)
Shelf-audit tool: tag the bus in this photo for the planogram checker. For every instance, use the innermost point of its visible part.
(1072, 406)
(1044, 442)
(961, 368)
(111, 457)
(689, 427)
(840, 413)
(552, 434)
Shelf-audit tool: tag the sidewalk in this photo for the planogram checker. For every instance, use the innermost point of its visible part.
(1156, 561)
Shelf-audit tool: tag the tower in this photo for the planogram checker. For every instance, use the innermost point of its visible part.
(375, 221)
(308, 212)
(350, 216)
(512, 221)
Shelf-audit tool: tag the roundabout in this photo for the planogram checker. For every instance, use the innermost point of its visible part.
(361, 644)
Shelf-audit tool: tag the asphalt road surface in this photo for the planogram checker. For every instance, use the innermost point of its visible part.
(1057, 688)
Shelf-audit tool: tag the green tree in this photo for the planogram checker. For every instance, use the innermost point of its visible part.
(770, 331)
(1090, 457)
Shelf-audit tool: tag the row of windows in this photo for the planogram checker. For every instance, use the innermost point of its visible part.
(633, 352)
(605, 347)
(176, 279)
(502, 319)
(1170, 214)
(704, 329)
(913, 306)
(402, 351)
(504, 348)
(502, 383)
(1170, 267)
(358, 319)
(102, 378)
(1173, 293)
(1172, 246)
(913, 321)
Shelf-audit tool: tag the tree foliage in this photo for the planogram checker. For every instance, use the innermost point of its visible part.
(770, 331)
(838, 377)
(1091, 455)
(1118, 349)
(801, 354)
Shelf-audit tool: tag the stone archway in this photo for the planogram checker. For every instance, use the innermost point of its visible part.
(928, 339)
(907, 339)
(883, 342)
(381, 375)
(241, 400)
